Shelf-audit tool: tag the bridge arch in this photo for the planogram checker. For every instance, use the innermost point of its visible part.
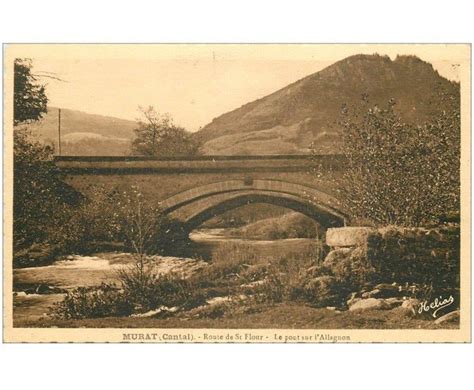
(195, 206)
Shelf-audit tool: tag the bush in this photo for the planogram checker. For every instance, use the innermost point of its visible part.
(107, 217)
(93, 302)
(400, 173)
(39, 192)
(229, 261)
(285, 279)
(139, 292)
(147, 290)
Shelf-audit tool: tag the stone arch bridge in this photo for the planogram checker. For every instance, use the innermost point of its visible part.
(196, 189)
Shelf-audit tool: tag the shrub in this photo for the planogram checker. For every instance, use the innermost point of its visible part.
(93, 302)
(400, 173)
(39, 192)
(120, 217)
(229, 262)
(146, 290)
(139, 292)
(285, 279)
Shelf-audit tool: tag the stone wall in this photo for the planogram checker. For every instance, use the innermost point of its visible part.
(416, 255)
(405, 270)
(405, 255)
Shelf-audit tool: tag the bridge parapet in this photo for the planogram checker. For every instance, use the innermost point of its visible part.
(281, 163)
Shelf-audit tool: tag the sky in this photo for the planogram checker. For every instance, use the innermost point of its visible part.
(194, 83)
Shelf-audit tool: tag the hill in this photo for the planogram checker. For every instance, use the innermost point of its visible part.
(86, 134)
(305, 112)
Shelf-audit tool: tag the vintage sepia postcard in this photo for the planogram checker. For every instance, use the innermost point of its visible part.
(237, 193)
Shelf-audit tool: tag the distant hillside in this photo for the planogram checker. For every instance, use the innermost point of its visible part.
(86, 134)
(289, 120)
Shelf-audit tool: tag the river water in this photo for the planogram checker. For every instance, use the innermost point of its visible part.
(37, 288)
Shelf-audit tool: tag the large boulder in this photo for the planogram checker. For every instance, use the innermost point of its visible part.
(336, 256)
(347, 236)
(383, 291)
(323, 291)
(369, 304)
(350, 266)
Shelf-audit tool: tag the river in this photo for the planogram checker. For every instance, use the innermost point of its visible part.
(37, 288)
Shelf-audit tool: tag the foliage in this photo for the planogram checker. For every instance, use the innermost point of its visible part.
(147, 290)
(29, 97)
(240, 269)
(120, 216)
(40, 198)
(35, 189)
(75, 227)
(158, 136)
(135, 294)
(39, 194)
(227, 268)
(105, 217)
(92, 302)
(245, 215)
(36, 180)
(285, 279)
(420, 256)
(400, 173)
(136, 221)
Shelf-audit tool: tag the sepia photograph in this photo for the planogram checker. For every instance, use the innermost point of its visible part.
(236, 193)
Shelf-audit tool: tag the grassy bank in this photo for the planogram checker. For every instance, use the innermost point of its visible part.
(290, 225)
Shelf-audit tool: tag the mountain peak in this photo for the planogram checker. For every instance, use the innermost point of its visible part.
(303, 113)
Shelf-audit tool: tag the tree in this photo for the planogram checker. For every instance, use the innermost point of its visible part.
(400, 173)
(38, 190)
(156, 135)
(30, 101)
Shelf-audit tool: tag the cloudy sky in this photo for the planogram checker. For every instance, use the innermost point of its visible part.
(194, 83)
